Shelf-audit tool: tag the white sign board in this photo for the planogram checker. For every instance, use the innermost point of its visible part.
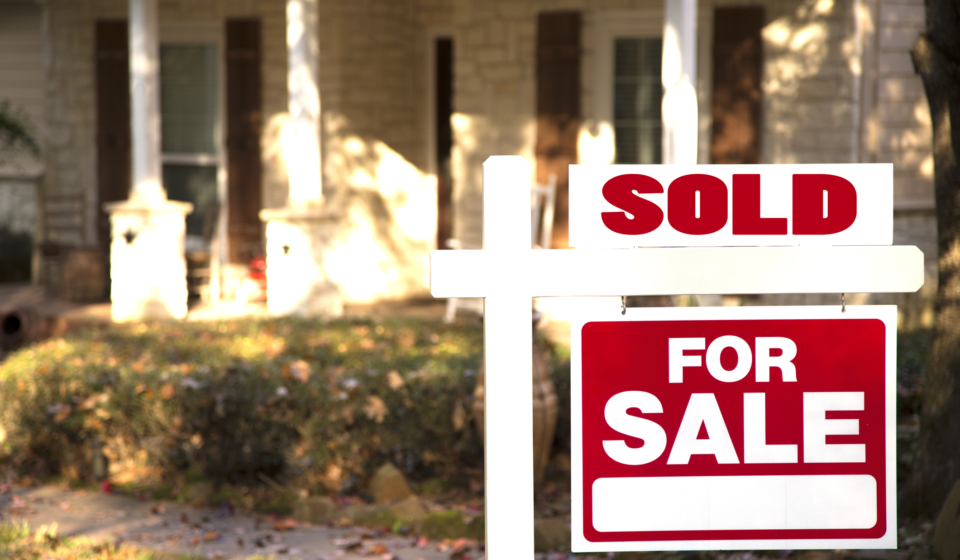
(617, 206)
(734, 428)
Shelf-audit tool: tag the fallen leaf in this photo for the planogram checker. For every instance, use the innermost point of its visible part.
(167, 391)
(240, 543)
(196, 540)
(394, 380)
(284, 524)
(376, 409)
(158, 509)
(62, 414)
(210, 536)
(300, 370)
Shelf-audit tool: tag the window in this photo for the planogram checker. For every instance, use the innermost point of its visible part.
(627, 88)
(190, 132)
(637, 95)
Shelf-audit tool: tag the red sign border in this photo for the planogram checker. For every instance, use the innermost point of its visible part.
(592, 310)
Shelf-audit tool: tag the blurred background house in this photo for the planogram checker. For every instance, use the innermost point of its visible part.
(409, 98)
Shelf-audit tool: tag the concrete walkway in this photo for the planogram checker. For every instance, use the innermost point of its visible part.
(180, 529)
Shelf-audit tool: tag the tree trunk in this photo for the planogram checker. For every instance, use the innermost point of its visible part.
(936, 57)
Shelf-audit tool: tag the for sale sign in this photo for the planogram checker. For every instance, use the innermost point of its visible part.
(734, 428)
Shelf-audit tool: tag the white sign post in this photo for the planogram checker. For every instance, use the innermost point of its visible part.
(508, 274)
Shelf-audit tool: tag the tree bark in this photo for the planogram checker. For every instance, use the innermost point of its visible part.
(936, 58)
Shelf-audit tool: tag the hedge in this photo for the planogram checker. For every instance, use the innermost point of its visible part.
(313, 403)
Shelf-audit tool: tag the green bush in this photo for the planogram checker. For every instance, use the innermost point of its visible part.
(317, 404)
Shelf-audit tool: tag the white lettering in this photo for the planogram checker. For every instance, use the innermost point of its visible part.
(816, 428)
(677, 360)
(755, 447)
(788, 351)
(744, 359)
(702, 410)
(653, 436)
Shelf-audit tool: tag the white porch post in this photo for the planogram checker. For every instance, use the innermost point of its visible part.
(679, 75)
(302, 146)
(145, 101)
(148, 267)
(301, 234)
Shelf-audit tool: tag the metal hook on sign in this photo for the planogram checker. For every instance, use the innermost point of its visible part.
(623, 305)
(843, 303)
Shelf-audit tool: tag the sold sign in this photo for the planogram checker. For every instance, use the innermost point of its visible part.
(734, 428)
(730, 205)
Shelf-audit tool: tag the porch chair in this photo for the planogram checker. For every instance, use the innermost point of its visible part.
(542, 202)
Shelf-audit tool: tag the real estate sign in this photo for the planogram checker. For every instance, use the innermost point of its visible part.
(734, 428)
(730, 205)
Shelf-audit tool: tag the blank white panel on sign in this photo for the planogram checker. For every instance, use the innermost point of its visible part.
(619, 206)
(701, 503)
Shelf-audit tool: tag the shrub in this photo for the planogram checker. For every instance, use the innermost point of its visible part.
(316, 403)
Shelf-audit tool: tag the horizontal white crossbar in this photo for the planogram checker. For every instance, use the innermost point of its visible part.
(669, 271)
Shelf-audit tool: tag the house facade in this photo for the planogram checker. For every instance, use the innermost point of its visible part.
(408, 98)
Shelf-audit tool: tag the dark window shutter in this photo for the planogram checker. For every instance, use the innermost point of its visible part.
(243, 138)
(558, 107)
(443, 94)
(737, 98)
(113, 119)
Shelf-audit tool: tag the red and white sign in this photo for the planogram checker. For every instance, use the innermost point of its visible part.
(734, 428)
(617, 206)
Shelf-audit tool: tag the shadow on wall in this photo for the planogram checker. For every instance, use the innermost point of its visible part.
(477, 137)
(808, 84)
(390, 217)
(387, 210)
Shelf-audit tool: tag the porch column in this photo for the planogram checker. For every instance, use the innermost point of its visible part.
(679, 76)
(145, 101)
(301, 234)
(302, 145)
(148, 268)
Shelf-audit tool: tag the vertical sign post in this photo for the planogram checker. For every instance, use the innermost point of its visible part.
(508, 355)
